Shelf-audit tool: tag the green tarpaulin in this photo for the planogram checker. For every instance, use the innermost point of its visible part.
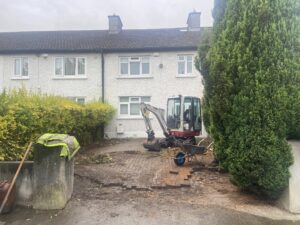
(69, 144)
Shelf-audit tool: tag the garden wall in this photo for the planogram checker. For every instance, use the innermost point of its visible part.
(290, 199)
(24, 182)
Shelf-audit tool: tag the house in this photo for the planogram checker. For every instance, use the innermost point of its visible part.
(121, 67)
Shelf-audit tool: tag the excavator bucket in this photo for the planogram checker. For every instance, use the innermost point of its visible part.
(152, 145)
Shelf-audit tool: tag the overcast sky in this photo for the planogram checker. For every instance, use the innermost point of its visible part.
(24, 15)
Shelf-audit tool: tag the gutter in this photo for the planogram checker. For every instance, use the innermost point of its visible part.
(96, 50)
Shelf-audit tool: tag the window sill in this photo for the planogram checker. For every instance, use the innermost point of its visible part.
(134, 77)
(70, 78)
(132, 118)
(20, 78)
(185, 76)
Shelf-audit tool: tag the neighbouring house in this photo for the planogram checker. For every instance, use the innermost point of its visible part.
(121, 67)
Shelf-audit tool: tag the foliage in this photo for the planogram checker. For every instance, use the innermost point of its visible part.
(210, 89)
(25, 116)
(293, 107)
(252, 91)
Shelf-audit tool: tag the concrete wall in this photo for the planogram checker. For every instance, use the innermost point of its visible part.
(24, 183)
(41, 76)
(159, 85)
(53, 179)
(290, 199)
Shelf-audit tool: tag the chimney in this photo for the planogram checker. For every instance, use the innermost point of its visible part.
(114, 24)
(193, 21)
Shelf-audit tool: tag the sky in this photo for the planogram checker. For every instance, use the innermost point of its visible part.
(29, 15)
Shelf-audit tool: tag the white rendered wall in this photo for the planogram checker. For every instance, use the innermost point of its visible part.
(162, 83)
(42, 79)
(1, 73)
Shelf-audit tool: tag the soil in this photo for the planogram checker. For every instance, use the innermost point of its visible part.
(155, 175)
(120, 182)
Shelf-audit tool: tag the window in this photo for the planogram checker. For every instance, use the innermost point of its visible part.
(70, 66)
(185, 64)
(135, 65)
(80, 100)
(130, 106)
(173, 113)
(21, 67)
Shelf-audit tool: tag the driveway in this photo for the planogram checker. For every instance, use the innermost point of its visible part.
(121, 183)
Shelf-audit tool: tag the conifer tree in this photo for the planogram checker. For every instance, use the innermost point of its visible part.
(253, 75)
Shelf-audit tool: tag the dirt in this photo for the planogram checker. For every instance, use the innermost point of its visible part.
(121, 183)
(155, 175)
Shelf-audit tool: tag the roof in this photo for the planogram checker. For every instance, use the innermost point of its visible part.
(100, 40)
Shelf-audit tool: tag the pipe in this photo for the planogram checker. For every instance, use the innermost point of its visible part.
(103, 91)
(102, 75)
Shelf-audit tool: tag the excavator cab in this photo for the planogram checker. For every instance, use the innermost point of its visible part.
(184, 116)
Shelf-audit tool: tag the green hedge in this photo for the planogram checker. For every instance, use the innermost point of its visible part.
(25, 116)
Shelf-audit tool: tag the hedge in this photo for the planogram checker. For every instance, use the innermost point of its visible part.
(25, 116)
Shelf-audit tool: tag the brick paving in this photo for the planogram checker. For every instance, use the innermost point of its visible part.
(138, 169)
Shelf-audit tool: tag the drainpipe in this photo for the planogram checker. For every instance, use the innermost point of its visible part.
(102, 75)
(103, 85)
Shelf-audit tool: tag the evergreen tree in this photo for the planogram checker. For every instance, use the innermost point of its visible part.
(202, 63)
(253, 72)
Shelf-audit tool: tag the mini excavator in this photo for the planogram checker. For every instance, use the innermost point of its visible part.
(183, 123)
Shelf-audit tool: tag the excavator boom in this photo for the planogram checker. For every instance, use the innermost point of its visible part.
(159, 114)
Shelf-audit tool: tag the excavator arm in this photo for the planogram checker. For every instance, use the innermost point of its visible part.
(159, 114)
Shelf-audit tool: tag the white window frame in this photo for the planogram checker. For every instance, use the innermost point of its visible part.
(76, 75)
(76, 98)
(21, 75)
(185, 60)
(139, 59)
(128, 106)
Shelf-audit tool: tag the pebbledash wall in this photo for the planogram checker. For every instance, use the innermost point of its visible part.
(41, 76)
(162, 82)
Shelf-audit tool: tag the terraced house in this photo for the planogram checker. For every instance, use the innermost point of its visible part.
(122, 67)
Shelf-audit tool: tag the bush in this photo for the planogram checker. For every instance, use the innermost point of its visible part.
(253, 92)
(26, 116)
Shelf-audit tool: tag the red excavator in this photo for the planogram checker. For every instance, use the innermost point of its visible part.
(183, 124)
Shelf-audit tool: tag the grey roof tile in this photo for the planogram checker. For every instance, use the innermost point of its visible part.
(100, 40)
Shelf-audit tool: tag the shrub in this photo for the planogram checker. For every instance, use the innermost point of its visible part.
(212, 110)
(26, 116)
(253, 100)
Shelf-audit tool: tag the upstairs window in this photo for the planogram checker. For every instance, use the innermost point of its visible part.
(130, 106)
(70, 66)
(135, 65)
(185, 64)
(21, 67)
